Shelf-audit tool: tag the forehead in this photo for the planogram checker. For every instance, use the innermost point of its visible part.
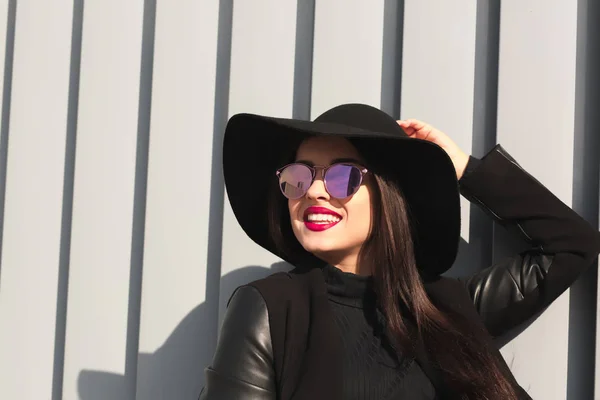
(323, 150)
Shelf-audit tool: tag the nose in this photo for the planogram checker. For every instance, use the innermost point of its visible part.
(317, 190)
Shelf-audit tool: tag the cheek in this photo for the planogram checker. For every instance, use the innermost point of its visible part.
(296, 224)
(360, 214)
(293, 206)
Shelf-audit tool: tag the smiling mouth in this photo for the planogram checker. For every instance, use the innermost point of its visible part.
(322, 218)
(319, 219)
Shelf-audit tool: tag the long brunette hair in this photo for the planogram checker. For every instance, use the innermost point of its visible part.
(468, 367)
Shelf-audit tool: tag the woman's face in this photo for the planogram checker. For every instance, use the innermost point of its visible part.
(337, 237)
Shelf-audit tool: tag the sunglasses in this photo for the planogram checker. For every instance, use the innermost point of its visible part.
(341, 180)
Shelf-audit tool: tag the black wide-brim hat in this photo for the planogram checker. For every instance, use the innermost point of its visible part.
(255, 146)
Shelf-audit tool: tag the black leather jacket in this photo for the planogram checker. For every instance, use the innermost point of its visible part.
(242, 367)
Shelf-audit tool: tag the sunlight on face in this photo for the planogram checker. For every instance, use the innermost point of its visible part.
(341, 243)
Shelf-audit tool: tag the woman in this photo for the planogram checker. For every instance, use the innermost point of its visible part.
(367, 210)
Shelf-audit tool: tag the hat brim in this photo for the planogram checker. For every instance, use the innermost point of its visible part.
(253, 147)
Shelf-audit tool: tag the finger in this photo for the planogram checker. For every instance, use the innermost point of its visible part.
(408, 130)
(423, 134)
(415, 123)
(422, 128)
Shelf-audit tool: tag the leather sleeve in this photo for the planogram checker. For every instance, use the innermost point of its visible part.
(242, 366)
(562, 244)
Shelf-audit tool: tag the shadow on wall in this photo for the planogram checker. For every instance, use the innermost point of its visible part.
(176, 369)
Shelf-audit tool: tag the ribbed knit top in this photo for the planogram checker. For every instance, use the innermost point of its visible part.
(371, 368)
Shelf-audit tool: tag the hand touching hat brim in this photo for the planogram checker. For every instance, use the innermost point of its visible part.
(420, 130)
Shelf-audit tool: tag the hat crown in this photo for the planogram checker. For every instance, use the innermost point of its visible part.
(362, 116)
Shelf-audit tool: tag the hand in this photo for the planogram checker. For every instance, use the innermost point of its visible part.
(421, 130)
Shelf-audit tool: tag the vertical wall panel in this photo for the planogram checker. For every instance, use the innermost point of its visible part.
(347, 58)
(99, 278)
(597, 335)
(178, 323)
(438, 77)
(262, 57)
(581, 369)
(34, 196)
(4, 15)
(536, 112)
(7, 26)
(589, 15)
(262, 81)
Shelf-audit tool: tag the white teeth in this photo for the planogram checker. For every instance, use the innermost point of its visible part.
(322, 218)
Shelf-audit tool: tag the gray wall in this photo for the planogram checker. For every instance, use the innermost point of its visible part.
(118, 249)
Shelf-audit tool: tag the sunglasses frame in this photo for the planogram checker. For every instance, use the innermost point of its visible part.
(313, 169)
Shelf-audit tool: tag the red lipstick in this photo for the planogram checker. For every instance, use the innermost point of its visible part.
(318, 226)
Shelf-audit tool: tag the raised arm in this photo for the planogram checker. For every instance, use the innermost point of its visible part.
(562, 244)
(242, 366)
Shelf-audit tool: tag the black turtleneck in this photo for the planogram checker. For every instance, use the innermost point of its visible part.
(372, 369)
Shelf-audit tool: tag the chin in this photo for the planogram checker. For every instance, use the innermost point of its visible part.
(324, 251)
(323, 245)
(318, 248)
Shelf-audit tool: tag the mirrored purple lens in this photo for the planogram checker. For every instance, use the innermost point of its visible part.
(343, 180)
(294, 180)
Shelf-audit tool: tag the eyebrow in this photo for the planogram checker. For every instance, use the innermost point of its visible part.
(337, 160)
